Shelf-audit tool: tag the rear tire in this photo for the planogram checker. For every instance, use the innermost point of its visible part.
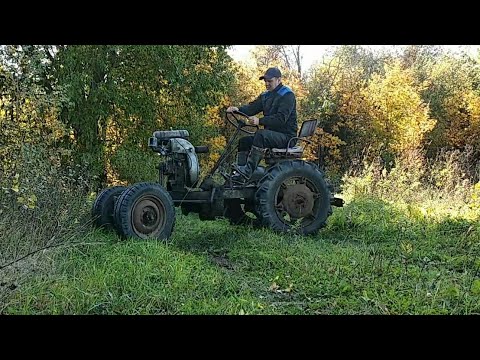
(145, 211)
(294, 196)
(102, 210)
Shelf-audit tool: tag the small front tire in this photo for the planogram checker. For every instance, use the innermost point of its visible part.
(145, 211)
(102, 210)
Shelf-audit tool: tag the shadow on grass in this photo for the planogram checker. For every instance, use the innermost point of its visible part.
(213, 239)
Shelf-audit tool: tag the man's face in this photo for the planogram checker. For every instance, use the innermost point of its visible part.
(272, 83)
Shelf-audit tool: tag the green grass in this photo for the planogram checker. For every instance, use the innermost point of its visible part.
(372, 258)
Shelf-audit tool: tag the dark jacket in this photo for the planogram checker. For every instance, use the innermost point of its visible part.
(279, 109)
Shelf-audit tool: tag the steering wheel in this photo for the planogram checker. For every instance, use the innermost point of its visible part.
(240, 123)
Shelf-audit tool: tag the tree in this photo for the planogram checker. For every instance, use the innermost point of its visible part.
(134, 90)
(32, 136)
(335, 98)
(287, 57)
(400, 119)
(453, 93)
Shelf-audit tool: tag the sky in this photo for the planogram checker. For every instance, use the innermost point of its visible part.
(314, 53)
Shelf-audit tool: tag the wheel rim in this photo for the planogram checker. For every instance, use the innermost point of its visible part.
(297, 201)
(148, 216)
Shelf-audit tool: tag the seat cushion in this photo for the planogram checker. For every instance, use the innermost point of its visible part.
(294, 150)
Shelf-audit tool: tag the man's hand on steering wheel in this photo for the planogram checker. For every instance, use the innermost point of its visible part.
(253, 120)
(232, 109)
(239, 123)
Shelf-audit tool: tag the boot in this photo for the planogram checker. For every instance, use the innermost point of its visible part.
(245, 172)
(242, 158)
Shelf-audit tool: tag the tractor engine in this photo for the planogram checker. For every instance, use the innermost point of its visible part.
(180, 166)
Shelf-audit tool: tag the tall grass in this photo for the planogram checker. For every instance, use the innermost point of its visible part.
(57, 213)
(405, 243)
(445, 186)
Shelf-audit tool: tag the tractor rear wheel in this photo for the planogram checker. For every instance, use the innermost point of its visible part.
(294, 196)
(145, 211)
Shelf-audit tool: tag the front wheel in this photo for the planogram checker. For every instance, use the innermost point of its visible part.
(102, 210)
(145, 211)
(294, 196)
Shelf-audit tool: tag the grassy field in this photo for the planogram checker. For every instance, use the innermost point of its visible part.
(374, 257)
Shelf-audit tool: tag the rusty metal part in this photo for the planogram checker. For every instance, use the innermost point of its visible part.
(298, 201)
(148, 215)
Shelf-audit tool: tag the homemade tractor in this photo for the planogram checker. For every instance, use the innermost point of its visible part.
(288, 194)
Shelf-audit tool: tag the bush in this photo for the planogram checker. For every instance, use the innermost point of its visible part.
(44, 203)
(439, 184)
(132, 165)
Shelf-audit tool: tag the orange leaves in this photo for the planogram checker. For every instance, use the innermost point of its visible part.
(399, 116)
(463, 112)
(216, 145)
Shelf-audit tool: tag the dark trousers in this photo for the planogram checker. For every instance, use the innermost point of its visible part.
(265, 139)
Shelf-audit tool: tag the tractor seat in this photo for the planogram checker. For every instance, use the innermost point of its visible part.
(294, 151)
(306, 131)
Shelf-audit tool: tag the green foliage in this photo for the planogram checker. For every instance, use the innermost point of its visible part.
(335, 98)
(46, 206)
(399, 246)
(420, 59)
(453, 94)
(374, 257)
(135, 164)
(29, 109)
(405, 243)
(435, 187)
(475, 200)
(138, 89)
(380, 104)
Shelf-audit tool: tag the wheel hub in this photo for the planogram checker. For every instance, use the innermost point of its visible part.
(146, 216)
(298, 201)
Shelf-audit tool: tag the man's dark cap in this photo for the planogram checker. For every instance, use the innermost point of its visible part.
(272, 72)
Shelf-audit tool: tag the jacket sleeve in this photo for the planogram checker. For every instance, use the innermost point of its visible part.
(253, 107)
(278, 120)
